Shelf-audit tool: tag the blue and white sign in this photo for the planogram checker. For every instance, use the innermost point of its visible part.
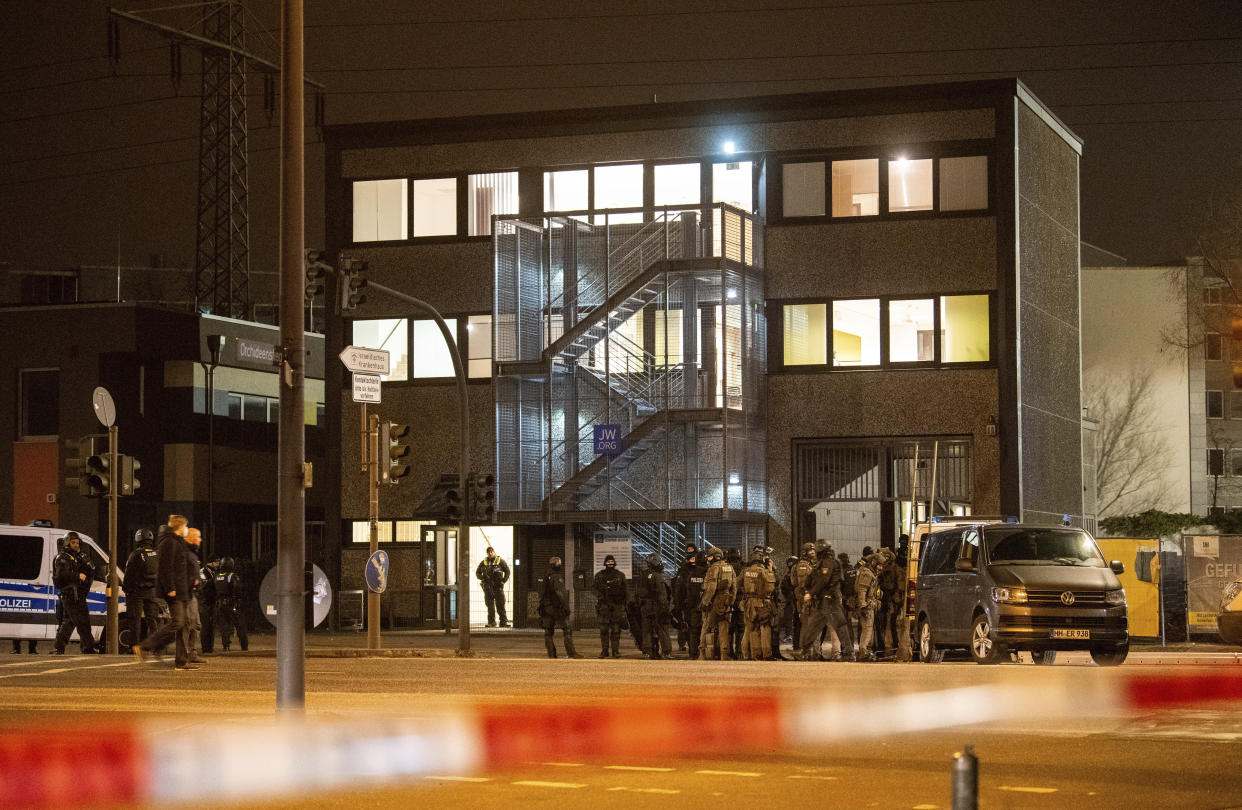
(376, 575)
(608, 440)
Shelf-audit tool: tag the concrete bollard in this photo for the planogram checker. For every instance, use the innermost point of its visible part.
(965, 780)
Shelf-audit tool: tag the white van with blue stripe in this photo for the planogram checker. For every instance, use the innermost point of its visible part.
(27, 596)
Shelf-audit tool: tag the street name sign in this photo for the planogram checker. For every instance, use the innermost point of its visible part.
(361, 360)
(366, 388)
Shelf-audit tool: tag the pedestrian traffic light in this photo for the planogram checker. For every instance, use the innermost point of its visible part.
(482, 498)
(453, 496)
(352, 282)
(392, 466)
(98, 476)
(129, 478)
(315, 270)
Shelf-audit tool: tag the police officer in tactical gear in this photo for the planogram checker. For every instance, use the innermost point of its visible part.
(890, 604)
(737, 623)
(716, 603)
(230, 603)
(802, 571)
(867, 599)
(73, 573)
(492, 573)
(758, 586)
(680, 617)
(822, 607)
(141, 604)
(610, 593)
(554, 609)
(791, 623)
(653, 600)
(687, 595)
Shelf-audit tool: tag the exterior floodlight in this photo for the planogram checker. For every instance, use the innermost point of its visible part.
(730, 147)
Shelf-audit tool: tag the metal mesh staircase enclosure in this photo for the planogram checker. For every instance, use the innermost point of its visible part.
(656, 328)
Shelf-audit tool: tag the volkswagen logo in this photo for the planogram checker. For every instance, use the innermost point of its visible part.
(1067, 597)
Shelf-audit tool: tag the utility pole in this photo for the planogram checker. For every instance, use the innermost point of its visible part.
(291, 497)
(112, 626)
(370, 454)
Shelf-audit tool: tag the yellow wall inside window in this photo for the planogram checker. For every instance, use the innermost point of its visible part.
(806, 334)
(964, 321)
(846, 347)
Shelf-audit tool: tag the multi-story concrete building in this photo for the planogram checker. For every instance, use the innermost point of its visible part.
(800, 314)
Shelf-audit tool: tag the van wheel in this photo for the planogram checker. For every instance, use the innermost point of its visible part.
(1110, 656)
(982, 648)
(1044, 657)
(928, 653)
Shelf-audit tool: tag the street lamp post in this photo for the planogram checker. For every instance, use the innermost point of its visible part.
(214, 344)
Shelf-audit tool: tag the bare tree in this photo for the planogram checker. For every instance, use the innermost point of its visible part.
(1213, 286)
(1130, 448)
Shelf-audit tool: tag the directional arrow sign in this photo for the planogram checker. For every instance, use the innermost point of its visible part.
(366, 361)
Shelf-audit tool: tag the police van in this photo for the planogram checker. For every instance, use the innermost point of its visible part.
(27, 595)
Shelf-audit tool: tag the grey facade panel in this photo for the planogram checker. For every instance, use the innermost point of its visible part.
(452, 277)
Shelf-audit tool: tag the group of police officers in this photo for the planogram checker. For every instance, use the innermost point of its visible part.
(724, 609)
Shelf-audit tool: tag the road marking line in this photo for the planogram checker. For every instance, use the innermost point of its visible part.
(563, 764)
(30, 663)
(661, 791)
(460, 778)
(58, 670)
(534, 783)
(1027, 789)
(729, 773)
(637, 768)
(810, 776)
(925, 807)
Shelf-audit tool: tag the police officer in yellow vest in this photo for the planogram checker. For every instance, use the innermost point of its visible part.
(719, 590)
(492, 574)
(758, 611)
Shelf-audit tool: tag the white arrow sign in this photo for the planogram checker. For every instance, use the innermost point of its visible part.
(366, 388)
(365, 361)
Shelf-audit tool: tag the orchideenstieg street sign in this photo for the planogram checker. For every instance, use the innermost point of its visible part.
(366, 388)
(361, 360)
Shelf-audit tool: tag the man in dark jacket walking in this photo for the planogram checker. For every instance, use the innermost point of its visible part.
(175, 583)
(554, 609)
(73, 573)
(141, 570)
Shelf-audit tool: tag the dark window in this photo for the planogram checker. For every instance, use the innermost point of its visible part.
(940, 552)
(1215, 404)
(40, 402)
(1213, 346)
(49, 289)
(21, 556)
(1216, 461)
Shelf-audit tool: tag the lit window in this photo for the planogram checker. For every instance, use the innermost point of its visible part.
(856, 332)
(410, 531)
(963, 183)
(389, 334)
(619, 186)
(361, 531)
(668, 337)
(732, 183)
(1215, 405)
(380, 210)
(431, 357)
(856, 188)
(435, 207)
(566, 190)
(804, 186)
(479, 346)
(806, 334)
(912, 331)
(1213, 346)
(489, 194)
(624, 348)
(40, 402)
(909, 185)
(678, 184)
(964, 329)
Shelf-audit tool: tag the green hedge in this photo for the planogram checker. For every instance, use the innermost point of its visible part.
(1154, 523)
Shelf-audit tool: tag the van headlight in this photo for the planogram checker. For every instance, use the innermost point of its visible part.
(1009, 596)
(1117, 597)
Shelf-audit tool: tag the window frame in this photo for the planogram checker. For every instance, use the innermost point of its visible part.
(1207, 399)
(462, 333)
(776, 334)
(23, 405)
(462, 180)
(885, 154)
(1213, 340)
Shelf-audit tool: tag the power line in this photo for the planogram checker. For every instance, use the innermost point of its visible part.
(61, 62)
(115, 106)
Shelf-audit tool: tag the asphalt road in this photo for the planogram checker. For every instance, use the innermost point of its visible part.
(1031, 757)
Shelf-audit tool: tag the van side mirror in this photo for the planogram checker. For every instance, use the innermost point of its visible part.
(964, 565)
(1118, 567)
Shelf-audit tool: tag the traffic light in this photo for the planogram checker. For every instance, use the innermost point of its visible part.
(129, 478)
(77, 474)
(453, 496)
(98, 476)
(392, 467)
(315, 270)
(482, 498)
(352, 282)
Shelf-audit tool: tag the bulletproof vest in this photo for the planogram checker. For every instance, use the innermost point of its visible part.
(224, 586)
(865, 579)
(800, 573)
(755, 581)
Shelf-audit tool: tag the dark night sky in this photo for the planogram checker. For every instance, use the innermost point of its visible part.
(95, 164)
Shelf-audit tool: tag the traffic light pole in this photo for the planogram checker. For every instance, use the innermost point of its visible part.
(111, 627)
(370, 451)
(463, 407)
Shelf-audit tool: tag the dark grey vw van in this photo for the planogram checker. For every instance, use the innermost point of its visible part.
(1006, 586)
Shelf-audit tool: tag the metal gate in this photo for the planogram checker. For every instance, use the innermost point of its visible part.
(881, 469)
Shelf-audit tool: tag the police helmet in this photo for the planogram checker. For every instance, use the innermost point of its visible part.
(70, 536)
(555, 562)
(756, 554)
(143, 537)
(712, 553)
(888, 554)
(790, 562)
(733, 555)
(655, 563)
(226, 565)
